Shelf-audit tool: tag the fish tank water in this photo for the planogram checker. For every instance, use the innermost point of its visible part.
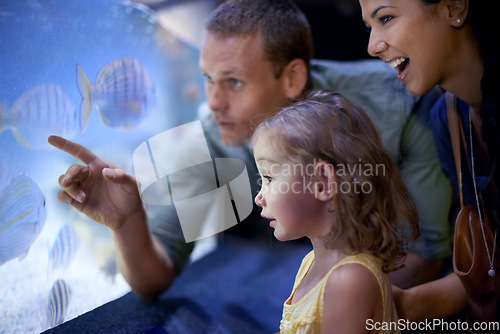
(108, 75)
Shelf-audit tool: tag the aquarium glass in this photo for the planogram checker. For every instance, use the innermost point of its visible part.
(108, 75)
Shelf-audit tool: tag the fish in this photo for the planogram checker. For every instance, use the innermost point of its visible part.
(23, 214)
(4, 173)
(59, 299)
(124, 93)
(110, 268)
(41, 111)
(64, 248)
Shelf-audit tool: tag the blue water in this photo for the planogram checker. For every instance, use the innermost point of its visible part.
(41, 43)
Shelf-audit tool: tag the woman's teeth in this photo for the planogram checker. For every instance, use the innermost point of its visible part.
(397, 62)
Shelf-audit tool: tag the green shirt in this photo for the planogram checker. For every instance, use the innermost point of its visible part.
(403, 122)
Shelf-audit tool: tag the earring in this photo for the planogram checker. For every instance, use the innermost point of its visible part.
(459, 21)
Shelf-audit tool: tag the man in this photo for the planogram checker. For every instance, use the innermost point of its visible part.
(255, 60)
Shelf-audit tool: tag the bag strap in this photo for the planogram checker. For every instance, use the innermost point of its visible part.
(456, 133)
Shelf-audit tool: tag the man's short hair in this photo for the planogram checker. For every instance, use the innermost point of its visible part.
(284, 28)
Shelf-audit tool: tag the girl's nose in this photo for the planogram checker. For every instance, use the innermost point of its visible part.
(259, 199)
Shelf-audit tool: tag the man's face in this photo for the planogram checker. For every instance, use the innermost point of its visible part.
(240, 85)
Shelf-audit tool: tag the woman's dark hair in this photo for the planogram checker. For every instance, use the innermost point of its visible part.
(480, 16)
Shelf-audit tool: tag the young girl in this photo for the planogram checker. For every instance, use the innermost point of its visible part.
(326, 176)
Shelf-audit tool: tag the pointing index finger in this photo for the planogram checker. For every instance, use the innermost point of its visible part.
(73, 149)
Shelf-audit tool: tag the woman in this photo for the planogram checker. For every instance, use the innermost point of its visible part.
(447, 43)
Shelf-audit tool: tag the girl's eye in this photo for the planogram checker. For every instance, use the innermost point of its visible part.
(268, 178)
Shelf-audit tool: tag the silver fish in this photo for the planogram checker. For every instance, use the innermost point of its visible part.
(64, 248)
(22, 217)
(59, 298)
(124, 93)
(41, 111)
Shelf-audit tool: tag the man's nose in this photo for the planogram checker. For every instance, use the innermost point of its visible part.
(217, 100)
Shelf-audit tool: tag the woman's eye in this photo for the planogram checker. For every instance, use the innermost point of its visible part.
(384, 19)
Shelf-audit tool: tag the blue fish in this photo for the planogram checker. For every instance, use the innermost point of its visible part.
(22, 217)
(59, 298)
(64, 248)
(124, 93)
(40, 112)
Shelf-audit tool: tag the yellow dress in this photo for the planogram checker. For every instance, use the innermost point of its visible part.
(306, 315)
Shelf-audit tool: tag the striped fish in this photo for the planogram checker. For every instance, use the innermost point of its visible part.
(40, 112)
(22, 217)
(59, 298)
(123, 94)
(4, 172)
(64, 248)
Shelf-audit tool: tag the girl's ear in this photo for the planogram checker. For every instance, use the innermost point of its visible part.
(325, 185)
(456, 11)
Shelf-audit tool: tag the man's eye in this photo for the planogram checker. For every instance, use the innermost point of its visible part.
(208, 78)
(235, 82)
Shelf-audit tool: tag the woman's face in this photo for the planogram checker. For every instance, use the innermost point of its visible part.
(415, 39)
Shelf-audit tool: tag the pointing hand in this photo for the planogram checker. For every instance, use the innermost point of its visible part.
(103, 192)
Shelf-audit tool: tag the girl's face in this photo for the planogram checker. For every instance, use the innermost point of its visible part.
(287, 194)
(415, 39)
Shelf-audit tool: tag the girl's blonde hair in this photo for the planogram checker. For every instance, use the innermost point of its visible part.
(374, 210)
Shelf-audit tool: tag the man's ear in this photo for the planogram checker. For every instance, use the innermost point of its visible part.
(325, 181)
(456, 11)
(295, 78)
